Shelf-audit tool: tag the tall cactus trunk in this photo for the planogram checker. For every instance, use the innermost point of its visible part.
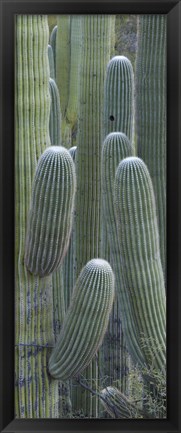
(151, 110)
(95, 56)
(37, 396)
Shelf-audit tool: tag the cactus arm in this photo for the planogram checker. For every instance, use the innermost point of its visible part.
(53, 38)
(139, 243)
(118, 106)
(51, 211)
(51, 62)
(63, 60)
(85, 322)
(55, 115)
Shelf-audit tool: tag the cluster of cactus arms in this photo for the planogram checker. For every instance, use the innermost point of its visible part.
(90, 249)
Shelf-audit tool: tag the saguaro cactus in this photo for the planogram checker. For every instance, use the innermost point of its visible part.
(55, 114)
(85, 322)
(141, 264)
(36, 395)
(118, 99)
(97, 30)
(51, 211)
(151, 110)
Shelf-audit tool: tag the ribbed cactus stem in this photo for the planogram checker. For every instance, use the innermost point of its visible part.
(151, 108)
(119, 97)
(36, 395)
(118, 405)
(75, 62)
(51, 62)
(55, 114)
(53, 38)
(116, 146)
(51, 211)
(85, 322)
(140, 259)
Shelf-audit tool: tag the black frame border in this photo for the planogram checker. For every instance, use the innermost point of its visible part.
(7, 11)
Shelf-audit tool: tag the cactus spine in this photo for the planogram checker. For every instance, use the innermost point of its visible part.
(55, 114)
(151, 110)
(85, 322)
(51, 62)
(51, 211)
(118, 106)
(36, 395)
(140, 257)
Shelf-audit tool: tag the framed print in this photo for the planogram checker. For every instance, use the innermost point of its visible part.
(90, 189)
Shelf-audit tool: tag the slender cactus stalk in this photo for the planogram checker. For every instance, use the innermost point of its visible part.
(53, 39)
(85, 322)
(51, 62)
(55, 115)
(141, 264)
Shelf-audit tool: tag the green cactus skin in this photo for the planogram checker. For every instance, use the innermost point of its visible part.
(118, 405)
(53, 38)
(51, 211)
(36, 396)
(116, 146)
(151, 110)
(75, 62)
(118, 98)
(86, 321)
(95, 56)
(140, 258)
(55, 114)
(51, 62)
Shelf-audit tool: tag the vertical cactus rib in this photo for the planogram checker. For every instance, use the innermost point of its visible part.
(51, 211)
(118, 99)
(36, 395)
(85, 322)
(55, 114)
(140, 256)
(151, 110)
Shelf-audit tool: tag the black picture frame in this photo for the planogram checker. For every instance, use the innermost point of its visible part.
(173, 10)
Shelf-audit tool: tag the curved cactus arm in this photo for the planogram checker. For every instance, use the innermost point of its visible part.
(53, 39)
(55, 114)
(85, 322)
(119, 97)
(51, 211)
(51, 62)
(151, 103)
(118, 405)
(141, 264)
